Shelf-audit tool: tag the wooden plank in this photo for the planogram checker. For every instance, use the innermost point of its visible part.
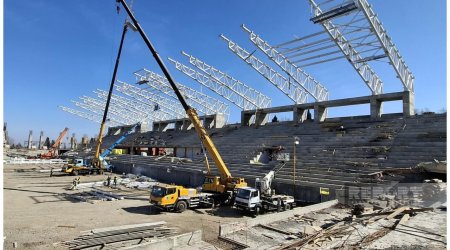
(414, 210)
(396, 212)
(404, 219)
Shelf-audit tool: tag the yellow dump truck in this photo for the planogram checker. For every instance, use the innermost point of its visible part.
(178, 198)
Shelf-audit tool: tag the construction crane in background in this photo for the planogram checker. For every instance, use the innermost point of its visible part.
(224, 185)
(53, 152)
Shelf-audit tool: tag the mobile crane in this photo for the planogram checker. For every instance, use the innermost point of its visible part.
(82, 166)
(98, 164)
(223, 187)
(53, 152)
(263, 198)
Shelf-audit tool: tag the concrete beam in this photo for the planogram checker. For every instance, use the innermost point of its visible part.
(228, 228)
(320, 108)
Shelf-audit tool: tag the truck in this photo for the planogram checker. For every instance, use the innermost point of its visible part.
(222, 187)
(80, 166)
(262, 198)
(178, 198)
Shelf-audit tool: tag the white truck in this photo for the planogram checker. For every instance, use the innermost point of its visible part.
(262, 198)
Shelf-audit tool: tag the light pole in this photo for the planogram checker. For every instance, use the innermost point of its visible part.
(296, 142)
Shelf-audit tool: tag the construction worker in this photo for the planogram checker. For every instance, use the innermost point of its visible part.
(115, 180)
(74, 184)
(108, 181)
(51, 172)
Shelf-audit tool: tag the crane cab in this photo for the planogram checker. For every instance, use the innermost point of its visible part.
(213, 184)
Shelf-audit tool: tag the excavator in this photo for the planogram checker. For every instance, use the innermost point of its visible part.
(225, 185)
(53, 152)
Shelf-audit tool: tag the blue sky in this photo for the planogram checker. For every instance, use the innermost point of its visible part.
(56, 51)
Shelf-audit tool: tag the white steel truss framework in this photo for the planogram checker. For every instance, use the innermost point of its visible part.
(87, 116)
(201, 102)
(314, 88)
(141, 109)
(164, 104)
(221, 89)
(250, 94)
(99, 112)
(355, 29)
(117, 111)
(291, 89)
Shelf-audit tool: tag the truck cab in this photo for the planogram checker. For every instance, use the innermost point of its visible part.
(172, 197)
(248, 198)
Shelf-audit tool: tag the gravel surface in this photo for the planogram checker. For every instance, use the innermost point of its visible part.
(39, 212)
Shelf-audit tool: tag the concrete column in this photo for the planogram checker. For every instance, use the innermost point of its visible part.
(408, 103)
(299, 114)
(376, 108)
(261, 118)
(178, 125)
(40, 140)
(30, 139)
(245, 118)
(319, 113)
(160, 126)
(208, 122)
(187, 124)
(219, 121)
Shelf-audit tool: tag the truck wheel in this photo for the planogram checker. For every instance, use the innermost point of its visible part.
(287, 207)
(75, 172)
(181, 206)
(257, 211)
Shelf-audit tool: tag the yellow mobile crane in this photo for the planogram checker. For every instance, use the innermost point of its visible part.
(224, 185)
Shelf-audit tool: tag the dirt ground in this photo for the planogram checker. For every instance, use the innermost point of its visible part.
(38, 211)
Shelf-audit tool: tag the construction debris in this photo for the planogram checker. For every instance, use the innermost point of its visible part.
(121, 236)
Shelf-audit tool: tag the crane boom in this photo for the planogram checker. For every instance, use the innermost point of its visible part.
(123, 137)
(60, 137)
(227, 180)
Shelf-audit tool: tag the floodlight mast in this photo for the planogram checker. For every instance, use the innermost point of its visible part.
(224, 184)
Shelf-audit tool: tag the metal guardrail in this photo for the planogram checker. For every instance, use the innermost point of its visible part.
(35, 161)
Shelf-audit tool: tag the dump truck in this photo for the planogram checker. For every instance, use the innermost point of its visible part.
(262, 198)
(178, 198)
